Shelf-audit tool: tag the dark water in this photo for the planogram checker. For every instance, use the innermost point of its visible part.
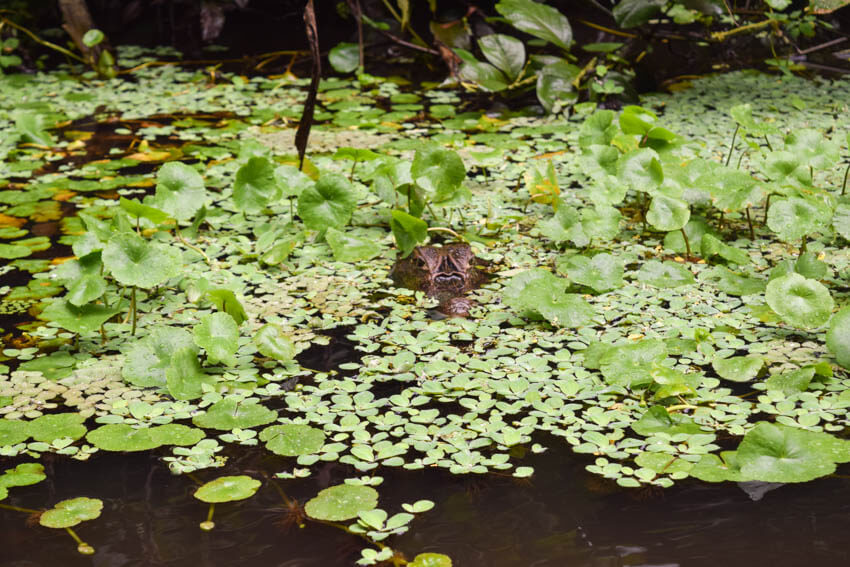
(563, 517)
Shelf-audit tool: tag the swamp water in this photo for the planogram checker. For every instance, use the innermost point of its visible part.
(523, 435)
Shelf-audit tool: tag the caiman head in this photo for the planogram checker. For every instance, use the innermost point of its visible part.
(445, 273)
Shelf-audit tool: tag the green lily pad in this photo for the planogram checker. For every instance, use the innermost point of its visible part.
(180, 190)
(69, 513)
(292, 439)
(149, 358)
(184, 376)
(227, 489)
(431, 560)
(738, 368)
(601, 273)
(665, 274)
(630, 364)
(218, 335)
(329, 203)
(232, 412)
(666, 213)
(342, 502)
(794, 218)
(273, 343)
(13, 432)
(791, 382)
(539, 292)
(133, 261)
(255, 185)
(657, 419)
(347, 248)
(800, 302)
(838, 337)
(123, 437)
(438, 171)
(732, 283)
(82, 320)
(54, 366)
(25, 474)
(48, 428)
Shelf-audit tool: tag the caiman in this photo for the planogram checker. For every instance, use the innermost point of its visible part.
(445, 273)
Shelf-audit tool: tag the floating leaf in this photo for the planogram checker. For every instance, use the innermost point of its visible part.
(69, 513)
(800, 301)
(180, 190)
(218, 335)
(838, 337)
(438, 171)
(134, 261)
(601, 273)
(291, 440)
(329, 203)
(48, 428)
(666, 213)
(233, 412)
(185, 378)
(13, 432)
(732, 283)
(273, 343)
(347, 248)
(794, 218)
(149, 358)
(342, 502)
(630, 365)
(665, 274)
(658, 420)
(791, 382)
(738, 368)
(123, 437)
(431, 560)
(540, 292)
(255, 185)
(82, 320)
(227, 489)
(25, 474)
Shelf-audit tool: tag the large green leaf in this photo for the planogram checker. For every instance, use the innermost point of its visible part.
(800, 302)
(632, 13)
(148, 358)
(504, 52)
(134, 261)
(813, 148)
(81, 320)
(738, 368)
(48, 428)
(184, 377)
(838, 337)
(666, 213)
(218, 334)
(347, 248)
(255, 185)
(793, 218)
(538, 20)
(344, 57)
(234, 412)
(542, 293)
(665, 274)
(273, 343)
(779, 453)
(342, 502)
(641, 169)
(438, 171)
(329, 203)
(408, 231)
(630, 364)
(180, 190)
(601, 273)
(25, 474)
(123, 437)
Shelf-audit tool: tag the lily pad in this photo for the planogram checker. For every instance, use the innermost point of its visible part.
(255, 186)
(838, 337)
(82, 320)
(184, 376)
(342, 502)
(657, 419)
(292, 439)
(738, 368)
(347, 248)
(665, 274)
(124, 437)
(227, 489)
(149, 358)
(329, 203)
(218, 335)
(180, 190)
(13, 432)
(233, 412)
(601, 273)
(133, 261)
(800, 301)
(539, 292)
(48, 428)
(69, 513)
(273, 343)
(25, 474)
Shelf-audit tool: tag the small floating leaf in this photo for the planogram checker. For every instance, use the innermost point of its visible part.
(24, 474)
(292, 439)
(233, 412)
(69, 513)
(227, 489)
(738, 368)
(342, 502)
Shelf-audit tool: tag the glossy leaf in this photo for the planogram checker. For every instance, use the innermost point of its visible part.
(227, 489)
(180, 190)
(538, 20)
(342, 502)
(218, 335)
(800, 302)
(329, 203)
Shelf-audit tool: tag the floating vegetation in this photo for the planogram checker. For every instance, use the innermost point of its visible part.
(663, 311)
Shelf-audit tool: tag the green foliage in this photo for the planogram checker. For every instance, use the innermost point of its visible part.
(69, 513)
(227, 489)
(341, 502)
(800, 301)
(180, 190)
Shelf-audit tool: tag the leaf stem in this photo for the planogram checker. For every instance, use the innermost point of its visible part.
(732, 145)
(19, 509)
(133, 309)
(687, 242)
(844, 185)
(444, 229)
(750, 223)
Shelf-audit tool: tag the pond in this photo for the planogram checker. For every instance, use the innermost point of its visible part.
(204, 351)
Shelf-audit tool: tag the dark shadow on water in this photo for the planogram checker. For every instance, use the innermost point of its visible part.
(563, 516)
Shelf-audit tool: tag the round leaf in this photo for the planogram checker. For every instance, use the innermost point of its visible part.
(227, 489)
(347, 248)
(329, 203)
(838, 337)
(133, 261)
(800, 302)
(272, 343)
(738, 368)
(232, 412)
(218, 335)
(291, 439)
(180, 190)
(148, 358)
(342, 502)
(666, 213)
(344, 57)
(665, 274)
(69, 513)
(48, 428)
(255, 185)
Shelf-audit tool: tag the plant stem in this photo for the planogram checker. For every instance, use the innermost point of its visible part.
(766, 207)
(721, 36)
(803, 246)
(766, 141)
(19, 509)
(750, 223)
(210, 512)
(45, 43)
(195, 248)
(844, 185)
(687, 242)
(444, 229)
(732, 146)
(133, 309)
